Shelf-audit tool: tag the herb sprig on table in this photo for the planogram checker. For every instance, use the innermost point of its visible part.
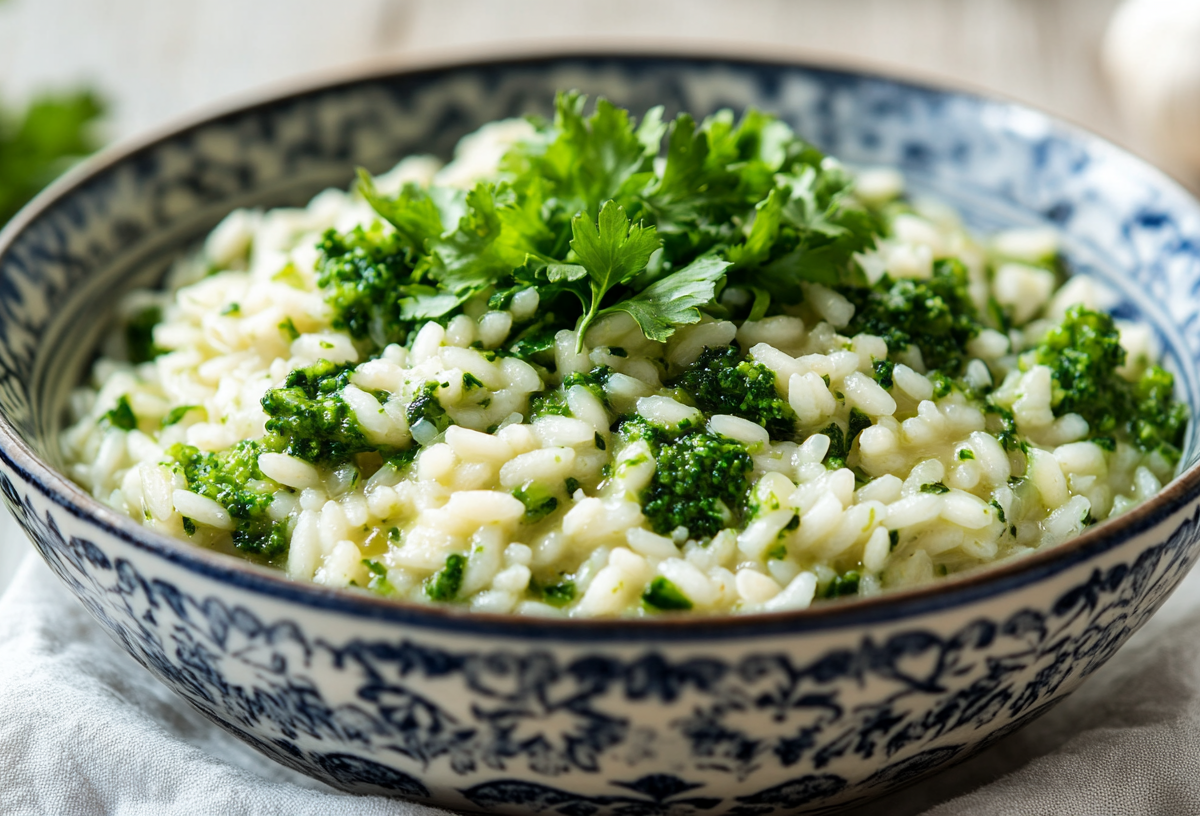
(38, 144)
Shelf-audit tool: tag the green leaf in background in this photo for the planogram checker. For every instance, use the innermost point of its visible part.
(39, 144)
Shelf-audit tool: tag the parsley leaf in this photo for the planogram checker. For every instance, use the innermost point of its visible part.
(672, 301)
(612, 251)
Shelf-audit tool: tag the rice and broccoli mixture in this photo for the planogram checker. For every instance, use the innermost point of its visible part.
(597, 368)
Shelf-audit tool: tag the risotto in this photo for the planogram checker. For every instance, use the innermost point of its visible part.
(592, 368)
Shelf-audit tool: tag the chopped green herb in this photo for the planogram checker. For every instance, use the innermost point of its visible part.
(842, 585)
(427, 408)
(559, 594)
(539, 502)
(937, 488)
(289, 329)
(883, 372)
(966, 454)
(139, 334)
(178, 413)
(121, 415)
(663, 595)
(470, 382)
(232, 309)
(444, 584)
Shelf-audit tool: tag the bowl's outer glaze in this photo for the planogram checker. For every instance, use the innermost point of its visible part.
(796, 711)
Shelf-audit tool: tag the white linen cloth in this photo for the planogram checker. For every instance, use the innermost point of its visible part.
(85, 730)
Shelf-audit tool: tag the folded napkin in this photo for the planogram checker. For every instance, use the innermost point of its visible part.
(85, 730)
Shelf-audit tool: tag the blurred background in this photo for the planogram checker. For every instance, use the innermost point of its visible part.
(78, 73)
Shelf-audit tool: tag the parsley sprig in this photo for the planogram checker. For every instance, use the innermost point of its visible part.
(589, 214)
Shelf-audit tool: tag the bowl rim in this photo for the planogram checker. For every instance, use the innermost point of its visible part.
(888, 607)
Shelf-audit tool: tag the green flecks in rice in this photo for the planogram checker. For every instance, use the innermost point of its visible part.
(738, 388)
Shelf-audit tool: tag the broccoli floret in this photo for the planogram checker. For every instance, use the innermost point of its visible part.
(444, 584)
(1159, 420)
(936, 315)
(364, 273)
(1083, 354)
(139, 335)
(700, 483)
(637, 427)
(225, 477)
(310, 420)
(722, 382)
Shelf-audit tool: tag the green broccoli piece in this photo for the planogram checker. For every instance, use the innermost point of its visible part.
(700, 483)
(1159, 420)
(226, 478)
(1083, 354)
(722, 382)
(936, 315)
(309, 419)
(444, 584)
(365, 273)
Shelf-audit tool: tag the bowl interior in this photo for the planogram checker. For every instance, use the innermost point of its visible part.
(117, 223)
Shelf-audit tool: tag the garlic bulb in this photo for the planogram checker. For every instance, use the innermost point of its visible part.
(1152, 56)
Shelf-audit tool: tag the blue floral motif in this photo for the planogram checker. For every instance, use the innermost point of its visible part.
(766, 713)
(654, 795)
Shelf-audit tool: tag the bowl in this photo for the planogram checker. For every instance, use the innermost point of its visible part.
(797, 711)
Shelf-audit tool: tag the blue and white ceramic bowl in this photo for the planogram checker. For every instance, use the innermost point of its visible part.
(743, 715)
